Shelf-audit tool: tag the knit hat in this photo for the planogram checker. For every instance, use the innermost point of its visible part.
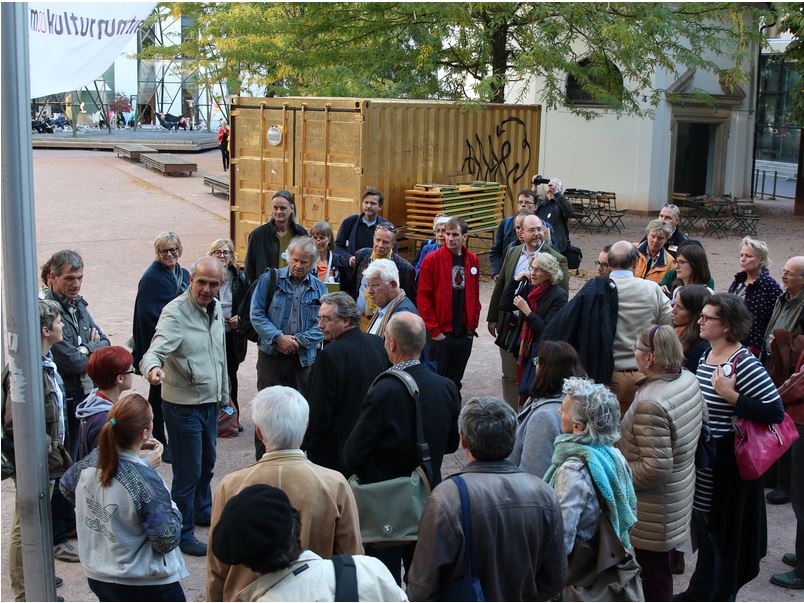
(253, 525)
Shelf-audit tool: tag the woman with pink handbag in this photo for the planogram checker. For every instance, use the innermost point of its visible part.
(729, 522)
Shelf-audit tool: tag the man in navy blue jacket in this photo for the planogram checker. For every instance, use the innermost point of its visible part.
(357, 231)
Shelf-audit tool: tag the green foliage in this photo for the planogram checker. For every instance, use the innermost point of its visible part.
(469, 51)
(792, 18)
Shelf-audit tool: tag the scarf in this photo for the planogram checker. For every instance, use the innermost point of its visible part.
(537, 293)
(371, 307)
(610, 474)
(389, 311)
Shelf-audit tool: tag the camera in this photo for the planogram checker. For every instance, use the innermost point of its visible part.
(539, 179)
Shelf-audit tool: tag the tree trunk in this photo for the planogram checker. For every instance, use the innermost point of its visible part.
(499, 61)
(798, 207)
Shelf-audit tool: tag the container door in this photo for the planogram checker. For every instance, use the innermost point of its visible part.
(328, 170)
(262, 163)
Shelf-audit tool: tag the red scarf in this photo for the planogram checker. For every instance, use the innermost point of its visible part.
(534, 296)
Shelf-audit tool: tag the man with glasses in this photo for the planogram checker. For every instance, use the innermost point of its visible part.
(602, 262)
(506, 234)
(357, 231)
(671, 214)
(382, 248)
(516, 264)
(788, 317)
(187, 357)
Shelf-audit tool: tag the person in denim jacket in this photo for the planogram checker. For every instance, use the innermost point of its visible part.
(288, 323)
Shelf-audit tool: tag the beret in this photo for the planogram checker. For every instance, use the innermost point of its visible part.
(253, 524)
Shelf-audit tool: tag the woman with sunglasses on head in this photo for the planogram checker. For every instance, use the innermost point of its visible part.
(128, 527)
(162, 281)
(659, 437)
(231, 293)
(729, 522)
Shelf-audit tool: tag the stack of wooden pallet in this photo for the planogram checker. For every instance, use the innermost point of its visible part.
(479, 203)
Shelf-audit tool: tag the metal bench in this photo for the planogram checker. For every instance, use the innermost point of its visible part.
(132, 151)
(168, 163)
(218, 184)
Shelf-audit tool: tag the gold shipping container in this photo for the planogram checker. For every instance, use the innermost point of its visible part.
(327, 151)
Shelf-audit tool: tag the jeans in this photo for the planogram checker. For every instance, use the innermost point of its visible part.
(109, 591)
(451, 355)
(193, 432)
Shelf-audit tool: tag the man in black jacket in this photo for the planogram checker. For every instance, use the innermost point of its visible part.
(341, 376)
(357, 231)
(382, 445)
(267, 243)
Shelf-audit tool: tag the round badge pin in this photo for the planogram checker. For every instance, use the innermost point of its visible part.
(473, 271)
(727, 370)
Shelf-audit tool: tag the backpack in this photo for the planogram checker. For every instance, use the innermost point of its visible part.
(244, 311)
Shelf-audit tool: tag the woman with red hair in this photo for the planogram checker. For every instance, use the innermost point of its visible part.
(111, 370)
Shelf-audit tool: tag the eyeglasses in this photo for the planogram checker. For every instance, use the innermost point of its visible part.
(788, 274)
(603, 264)
(680, 262)
(704, 318)
(169, 251)
(386, 226)
(671, 205)
(130, 371)
(222, 253)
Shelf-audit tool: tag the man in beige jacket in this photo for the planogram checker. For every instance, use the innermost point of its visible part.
(329, 521)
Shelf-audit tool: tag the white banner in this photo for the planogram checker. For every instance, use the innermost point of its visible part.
(72, 44)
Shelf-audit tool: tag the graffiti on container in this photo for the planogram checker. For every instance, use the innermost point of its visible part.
(492, 159)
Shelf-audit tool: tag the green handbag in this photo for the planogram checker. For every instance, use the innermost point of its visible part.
(389, 511)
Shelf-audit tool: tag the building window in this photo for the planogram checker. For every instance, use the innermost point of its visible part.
(777, 134)
(596, 83)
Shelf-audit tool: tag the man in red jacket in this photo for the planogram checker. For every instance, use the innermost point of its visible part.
(449, 301)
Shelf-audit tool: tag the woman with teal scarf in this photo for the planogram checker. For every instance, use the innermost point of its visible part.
(587, 468)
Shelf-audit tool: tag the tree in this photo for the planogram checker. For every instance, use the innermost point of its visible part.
(472, 51)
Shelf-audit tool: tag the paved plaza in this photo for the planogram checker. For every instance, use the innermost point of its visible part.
(109, 210)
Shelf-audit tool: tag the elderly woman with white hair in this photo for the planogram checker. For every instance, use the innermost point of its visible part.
(587, 469)
(439, 230)
(534, 300)
(654, 260)
(757, 288)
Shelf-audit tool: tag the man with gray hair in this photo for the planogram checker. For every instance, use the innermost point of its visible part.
(382, 286)
(287, 323)
(329, 521)
(187, 357)
(517, 526)
(382, 444)
(341, 376)
(671, 214)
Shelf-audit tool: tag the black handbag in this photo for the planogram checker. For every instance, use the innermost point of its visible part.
(390, 510)
(468, 587)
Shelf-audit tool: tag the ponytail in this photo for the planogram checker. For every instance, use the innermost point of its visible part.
(125, 423)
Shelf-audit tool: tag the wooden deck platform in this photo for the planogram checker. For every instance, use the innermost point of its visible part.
(164, 142)
(168, 163)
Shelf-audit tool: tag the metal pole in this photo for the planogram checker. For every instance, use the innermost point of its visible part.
(22, 314)
(775, 176)
(763, 184)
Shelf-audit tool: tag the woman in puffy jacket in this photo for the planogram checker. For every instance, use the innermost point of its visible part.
(128, 527)
(659, 436)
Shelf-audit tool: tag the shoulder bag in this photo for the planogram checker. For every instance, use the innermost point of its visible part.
(389, 510)
(602, 569)
(468, 587)
(758, 446)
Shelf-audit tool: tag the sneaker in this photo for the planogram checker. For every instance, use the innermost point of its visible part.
(777, 496)
(788, 580)
(66, 552)
(194, 548)
(790, 559)
(59, 582)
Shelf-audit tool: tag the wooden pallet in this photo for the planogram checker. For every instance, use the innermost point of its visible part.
(133, 151)
(168, 163)
(480, 204)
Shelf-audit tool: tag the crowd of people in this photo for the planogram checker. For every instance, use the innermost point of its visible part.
(586, 472)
